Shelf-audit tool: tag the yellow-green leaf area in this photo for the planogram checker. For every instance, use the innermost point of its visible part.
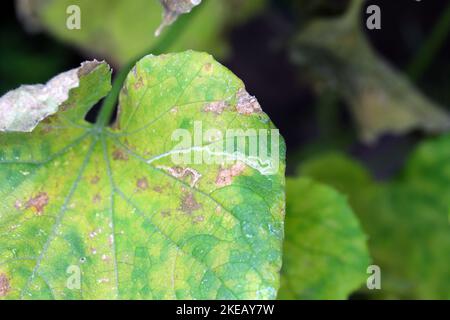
(325, 249)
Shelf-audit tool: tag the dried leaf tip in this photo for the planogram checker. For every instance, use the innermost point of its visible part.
(22, 109)
(173, 9)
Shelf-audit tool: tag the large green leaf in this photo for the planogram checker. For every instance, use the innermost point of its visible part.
(120, 30)
(325, 250)
(336, 55)
(112, 203)
(406, 219)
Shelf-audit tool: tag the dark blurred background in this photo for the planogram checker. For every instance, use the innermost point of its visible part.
(260, 58)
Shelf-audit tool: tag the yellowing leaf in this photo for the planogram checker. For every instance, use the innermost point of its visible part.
(89, 212)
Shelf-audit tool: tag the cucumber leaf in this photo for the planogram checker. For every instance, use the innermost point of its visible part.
(111, 206)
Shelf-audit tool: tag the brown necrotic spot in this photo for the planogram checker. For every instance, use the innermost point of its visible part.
(119, 155)
(189, 204)
(87, 67)
(38, 203)
(208, 67)
(215, 107)
(182, 173)
(95, 180)
(142, 184)
(247, 104)
(97, 198)
(5, 286)
(226, 175)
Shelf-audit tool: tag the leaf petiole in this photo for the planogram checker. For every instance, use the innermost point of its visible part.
(109, 105)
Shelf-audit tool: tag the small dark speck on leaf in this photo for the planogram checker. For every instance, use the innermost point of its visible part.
(165, 213)
(97, 198)
(95, 180)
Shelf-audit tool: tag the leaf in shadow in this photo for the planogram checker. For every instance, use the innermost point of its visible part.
(406, 219)
(336, 55)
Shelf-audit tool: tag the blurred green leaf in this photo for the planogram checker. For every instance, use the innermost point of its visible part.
(325, 249)
(336, 55)
(406, 219)
(120, 30)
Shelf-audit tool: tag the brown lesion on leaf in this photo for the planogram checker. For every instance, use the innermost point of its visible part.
(165, 213)
(216, 107)
(208, 67)
(47, 124)
(139, 83)
(38, 203)
(182, 173)
(247, 104)
(189, 204)
(87, 67)
(97, 198)
(67, 105)
(226, 175)
(119, 155)
(95, 179)
(5, 285)
(142, 184)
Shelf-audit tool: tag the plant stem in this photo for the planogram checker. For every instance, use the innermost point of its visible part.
(109, 105)
(432, 45)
